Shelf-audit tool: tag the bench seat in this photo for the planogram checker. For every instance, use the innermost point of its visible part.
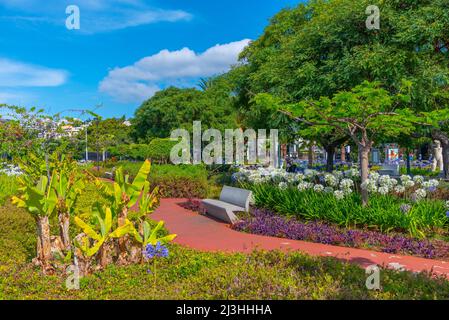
(232, 200)
(222, 210)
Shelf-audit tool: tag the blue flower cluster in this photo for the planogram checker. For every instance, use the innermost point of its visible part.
(157, 251)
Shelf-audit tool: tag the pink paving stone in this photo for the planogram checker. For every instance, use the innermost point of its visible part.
(206, 234)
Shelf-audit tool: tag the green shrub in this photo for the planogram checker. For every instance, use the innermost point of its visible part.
(383, 212)
(159, 150)
(8, 187)
(421, 172)
(181, 181)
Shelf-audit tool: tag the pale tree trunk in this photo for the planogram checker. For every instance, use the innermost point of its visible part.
(365, 149)
(44, 244)
(343, 153)
(64, 227)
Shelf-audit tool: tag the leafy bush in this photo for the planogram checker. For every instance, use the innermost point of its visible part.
(421, 172)
(159, 150)
(182, 181)
(384, 212)
(8, 187)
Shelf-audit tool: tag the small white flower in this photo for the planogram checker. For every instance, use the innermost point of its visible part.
(447, 204)
(418, 179)
(346, 184)
(399, 189)
(374, 176)
(409, 183)
(405, 178)
(370, 186)
(338, 174)
(383, 190)
(330, 180)
(354, 172)
(304, 186)
(283, 185)
(420, 194)
(339, 195)
(318, 188)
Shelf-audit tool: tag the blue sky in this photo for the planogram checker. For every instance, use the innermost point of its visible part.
(124, 51)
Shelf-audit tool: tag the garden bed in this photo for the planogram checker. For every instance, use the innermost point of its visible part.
(268, 223)
(189, 274)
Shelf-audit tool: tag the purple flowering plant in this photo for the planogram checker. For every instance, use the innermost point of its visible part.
(265, 222)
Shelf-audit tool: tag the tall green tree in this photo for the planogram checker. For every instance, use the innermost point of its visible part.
(323, 47)
(175, 108)
(367, 114)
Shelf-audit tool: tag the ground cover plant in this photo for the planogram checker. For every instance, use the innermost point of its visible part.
(8, 187)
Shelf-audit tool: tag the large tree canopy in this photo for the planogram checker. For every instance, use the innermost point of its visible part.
(324, 47)
(175, 108)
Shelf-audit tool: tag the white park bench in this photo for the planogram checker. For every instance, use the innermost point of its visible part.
(231, 200)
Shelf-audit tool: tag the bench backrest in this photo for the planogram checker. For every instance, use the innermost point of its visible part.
(236, 196)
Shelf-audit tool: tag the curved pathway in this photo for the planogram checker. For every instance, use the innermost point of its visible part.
(206, 234)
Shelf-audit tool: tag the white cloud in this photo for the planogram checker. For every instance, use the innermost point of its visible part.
(18, 74)
(96, 15)
(141, 80)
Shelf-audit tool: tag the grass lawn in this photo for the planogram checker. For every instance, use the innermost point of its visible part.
(189, 274)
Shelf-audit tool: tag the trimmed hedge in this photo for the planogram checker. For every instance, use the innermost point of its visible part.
(183, 181)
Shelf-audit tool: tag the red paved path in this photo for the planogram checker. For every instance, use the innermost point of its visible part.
(203, 233)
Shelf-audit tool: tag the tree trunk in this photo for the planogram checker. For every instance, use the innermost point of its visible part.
(343, 153)
(64, 225)
(364, 166)
(330, 152)
(409, 168)
(310, 154)
(122, 242)
(44, 244)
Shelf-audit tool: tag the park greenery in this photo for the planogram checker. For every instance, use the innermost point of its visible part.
(85, 197)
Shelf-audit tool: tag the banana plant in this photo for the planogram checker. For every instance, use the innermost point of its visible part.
(40, 201)
(147, 204)
(68, 186)
(125, 195)
(102, 236)
(150, 236)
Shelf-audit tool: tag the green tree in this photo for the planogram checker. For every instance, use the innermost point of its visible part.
(175, 108)
(367, 113)
(323, 47)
